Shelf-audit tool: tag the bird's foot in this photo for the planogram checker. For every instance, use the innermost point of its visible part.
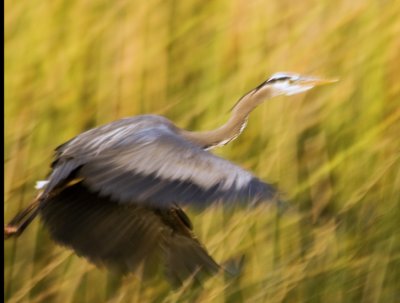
(10, 230)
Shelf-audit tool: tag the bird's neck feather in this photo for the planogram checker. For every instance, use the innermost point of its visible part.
(236, 123)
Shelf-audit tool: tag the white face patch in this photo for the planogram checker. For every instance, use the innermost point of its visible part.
(288, 89)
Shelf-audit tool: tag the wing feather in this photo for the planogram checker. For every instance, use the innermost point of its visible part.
(124, 237)
(154, 165)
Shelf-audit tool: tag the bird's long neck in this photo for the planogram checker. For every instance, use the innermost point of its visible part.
(236, 123)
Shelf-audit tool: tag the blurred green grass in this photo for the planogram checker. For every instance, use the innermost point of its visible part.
(72, 65)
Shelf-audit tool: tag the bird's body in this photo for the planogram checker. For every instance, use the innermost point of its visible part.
(118, 187)
(115, 192)
(147, 158)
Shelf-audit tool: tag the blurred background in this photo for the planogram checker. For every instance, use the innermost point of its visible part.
(333, 152)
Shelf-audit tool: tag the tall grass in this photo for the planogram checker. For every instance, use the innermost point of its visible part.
(334, 152)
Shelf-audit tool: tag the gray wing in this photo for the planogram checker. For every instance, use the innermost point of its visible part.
(155, 166)
(124, 237)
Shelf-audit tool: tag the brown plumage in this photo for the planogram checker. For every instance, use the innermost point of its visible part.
(115, 192)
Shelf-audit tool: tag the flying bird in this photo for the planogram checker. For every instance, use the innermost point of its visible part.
(115, 193)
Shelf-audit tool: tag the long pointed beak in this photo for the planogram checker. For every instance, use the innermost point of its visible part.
(316, 81)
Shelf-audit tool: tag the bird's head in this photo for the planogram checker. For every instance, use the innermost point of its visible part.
(286, 83)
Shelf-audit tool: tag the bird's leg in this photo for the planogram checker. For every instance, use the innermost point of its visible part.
(21, 221)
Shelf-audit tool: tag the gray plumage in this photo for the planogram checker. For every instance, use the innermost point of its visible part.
(115, 192)
(125, 237)
(124, 210)
(144, 160)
